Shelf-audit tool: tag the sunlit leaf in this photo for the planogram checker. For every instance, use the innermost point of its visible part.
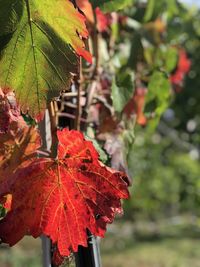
(64, 197)
(38, 57)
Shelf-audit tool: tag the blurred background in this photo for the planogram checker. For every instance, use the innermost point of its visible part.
(161, 225)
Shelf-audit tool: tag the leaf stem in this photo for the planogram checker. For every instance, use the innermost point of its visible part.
(53, 120)
(78, 83)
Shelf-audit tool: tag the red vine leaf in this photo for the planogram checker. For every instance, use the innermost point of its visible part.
(136, 106)
(57, 259)
(183, 67)
(17, 149)
(103, 20)
(18, 142)
(63, 197)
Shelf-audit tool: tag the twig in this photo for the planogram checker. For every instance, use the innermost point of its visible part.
(95, 47)
(68, 115)
(104, 101)
(78, 83)
(53, 119)
(72, 94)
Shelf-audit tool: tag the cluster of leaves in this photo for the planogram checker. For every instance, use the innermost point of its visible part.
(175, 174)
(66, 195)
(138, 68)
(72, 192)
(43, 54)
(167, 163)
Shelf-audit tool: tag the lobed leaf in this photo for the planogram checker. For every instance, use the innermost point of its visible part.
(64, 197)
(37, 57)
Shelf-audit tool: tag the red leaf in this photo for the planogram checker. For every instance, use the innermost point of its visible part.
(86, 8)
(103, 20)
(18, 142)
(63, 197)
(136, 106)
(17, 149)
(57, 259)
(183, 67)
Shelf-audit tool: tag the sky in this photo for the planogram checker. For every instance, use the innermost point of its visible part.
(191, 2)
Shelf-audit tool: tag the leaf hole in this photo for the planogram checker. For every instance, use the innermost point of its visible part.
(83, 168)
(97, 216)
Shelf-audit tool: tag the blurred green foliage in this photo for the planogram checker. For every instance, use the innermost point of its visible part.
(165, 165)
(166, 180)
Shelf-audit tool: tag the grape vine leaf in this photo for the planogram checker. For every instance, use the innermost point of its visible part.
(18, 142)
(42, 40)
(63, 197)
(136, 106)
(103, 21)
(9, 16)
(17, 149)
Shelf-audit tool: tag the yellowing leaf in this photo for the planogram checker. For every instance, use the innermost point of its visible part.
(39, 55)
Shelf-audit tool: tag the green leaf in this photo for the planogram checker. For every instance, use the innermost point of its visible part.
(172, 8)
(2, 211)
(90, 135)
(171, 59)
(10, 14)
(122, 90)
(38, 59)
(158, 87)
(136, 52)
(111, 5)
(158, 93)
(150, 10)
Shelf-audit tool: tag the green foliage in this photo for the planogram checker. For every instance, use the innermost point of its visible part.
(165, 165)
(149, 10)
(89, 135)
(122, 89)
(113, 5)
(171, 59)
(156, 8)
(158, 94)
(2, 211)
(136, 50)
(166, 180)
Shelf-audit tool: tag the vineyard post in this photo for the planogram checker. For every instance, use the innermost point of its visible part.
(45, 133)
